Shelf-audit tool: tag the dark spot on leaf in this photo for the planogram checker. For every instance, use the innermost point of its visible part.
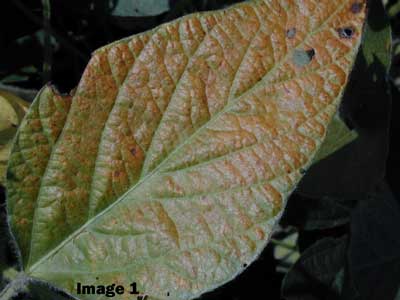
(10, 175)
(13, 125)
(133, 151)
(303, 57)
(244, 265)
(356, 7)
(302, 171)
(311, 53)
(346, 32)
(167, 294)
(290, 33)
(97, 278)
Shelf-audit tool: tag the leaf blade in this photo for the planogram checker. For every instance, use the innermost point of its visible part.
(32, 146)
(187, 185)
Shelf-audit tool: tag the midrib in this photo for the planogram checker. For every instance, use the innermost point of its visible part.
(230, 102)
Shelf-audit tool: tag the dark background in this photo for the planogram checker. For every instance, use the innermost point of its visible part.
(345, 213)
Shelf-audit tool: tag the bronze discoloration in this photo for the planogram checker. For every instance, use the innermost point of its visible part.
(199, 129)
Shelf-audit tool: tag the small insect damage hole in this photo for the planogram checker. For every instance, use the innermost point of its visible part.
(346, 32)
(356, 7)
(311, 53)
(290, 33)
(167, 294)
(245, 265)
(303, 57)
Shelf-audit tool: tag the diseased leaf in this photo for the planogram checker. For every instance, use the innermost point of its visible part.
(36, 136)
(12, 110)
(8, 256)
(354, 171)
(180, 148)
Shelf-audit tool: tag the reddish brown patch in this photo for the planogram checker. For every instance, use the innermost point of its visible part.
(117, 173)
(260, 234)
(133, 151)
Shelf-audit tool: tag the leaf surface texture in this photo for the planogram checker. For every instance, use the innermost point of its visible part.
(180, 147)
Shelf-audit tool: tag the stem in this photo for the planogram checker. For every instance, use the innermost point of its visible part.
(48, 53)
(67, 44)
(18, 282)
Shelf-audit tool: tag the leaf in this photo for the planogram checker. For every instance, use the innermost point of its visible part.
(8, 256)
(316, 214)
(286, 252)
(355, 170)
(34, 291)
(374, 251)
(180, 148)
(33, 144)
(12, 110)
(316, 274)
(338, 136)
(140, 8)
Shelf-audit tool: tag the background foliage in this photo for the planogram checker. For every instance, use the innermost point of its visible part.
(339, 237)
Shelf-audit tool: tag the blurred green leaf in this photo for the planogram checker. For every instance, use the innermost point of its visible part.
(316, 275)
(317, 213)
(140, 8)
(377, 41)
(12, 110)
(286, 252)
(394, 9)
(374, 250)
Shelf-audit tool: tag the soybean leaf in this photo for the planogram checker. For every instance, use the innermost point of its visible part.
(322, 213)
(181, 146)
(338, 136)
(355, 170)
(12, 110)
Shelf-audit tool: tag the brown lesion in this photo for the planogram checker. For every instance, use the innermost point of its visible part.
(133, 151)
